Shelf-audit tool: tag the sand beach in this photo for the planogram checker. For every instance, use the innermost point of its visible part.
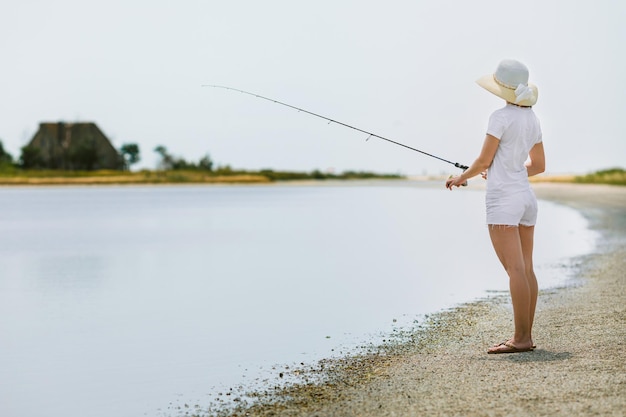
(578, 368)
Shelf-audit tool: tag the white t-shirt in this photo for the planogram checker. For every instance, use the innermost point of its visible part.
(518, 130)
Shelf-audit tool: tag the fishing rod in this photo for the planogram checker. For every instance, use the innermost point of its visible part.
(370, 134)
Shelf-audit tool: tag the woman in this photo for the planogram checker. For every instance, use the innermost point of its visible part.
(512, 152)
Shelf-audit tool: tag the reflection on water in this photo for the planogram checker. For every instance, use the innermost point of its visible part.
(120, 300)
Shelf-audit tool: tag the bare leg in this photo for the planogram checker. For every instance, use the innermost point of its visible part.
(507, 242)
(527, 238)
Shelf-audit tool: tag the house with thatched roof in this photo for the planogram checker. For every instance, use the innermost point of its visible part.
(71, 146)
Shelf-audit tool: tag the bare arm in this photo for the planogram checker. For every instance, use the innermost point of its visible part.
(537, 163)
(484, 160)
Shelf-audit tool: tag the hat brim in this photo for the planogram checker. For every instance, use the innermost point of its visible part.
(488, 83)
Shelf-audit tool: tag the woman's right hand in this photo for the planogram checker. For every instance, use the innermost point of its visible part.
(455, 182)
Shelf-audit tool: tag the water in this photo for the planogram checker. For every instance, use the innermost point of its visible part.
(121, 301)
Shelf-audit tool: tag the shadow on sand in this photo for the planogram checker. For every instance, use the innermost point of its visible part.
(538, 355)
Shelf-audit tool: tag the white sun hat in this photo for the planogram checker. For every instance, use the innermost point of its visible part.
(510, 82)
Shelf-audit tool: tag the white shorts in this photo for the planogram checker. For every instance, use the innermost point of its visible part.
(513, 209)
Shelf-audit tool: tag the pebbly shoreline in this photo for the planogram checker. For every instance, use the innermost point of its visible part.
(578, 368)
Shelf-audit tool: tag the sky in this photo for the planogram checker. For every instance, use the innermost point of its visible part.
(404, 70)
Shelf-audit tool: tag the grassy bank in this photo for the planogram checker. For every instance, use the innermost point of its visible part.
(15, 176)
(612, 176)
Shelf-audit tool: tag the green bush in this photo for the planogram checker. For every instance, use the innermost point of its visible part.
(6, 159)
(612, 176)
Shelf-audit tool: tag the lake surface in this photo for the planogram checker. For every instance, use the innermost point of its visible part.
(126, 301)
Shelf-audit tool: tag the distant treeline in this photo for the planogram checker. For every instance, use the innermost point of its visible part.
(170, 168)
(313, 175)
(170, 162)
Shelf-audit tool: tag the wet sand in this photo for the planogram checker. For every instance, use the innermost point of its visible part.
(442, 369)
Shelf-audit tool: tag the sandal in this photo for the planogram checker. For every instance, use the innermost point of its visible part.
(507, 347)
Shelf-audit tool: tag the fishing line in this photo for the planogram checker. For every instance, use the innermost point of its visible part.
(370, 134)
